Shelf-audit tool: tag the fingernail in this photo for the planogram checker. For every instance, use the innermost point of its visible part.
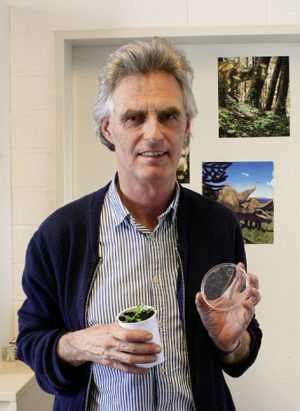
(157, 349)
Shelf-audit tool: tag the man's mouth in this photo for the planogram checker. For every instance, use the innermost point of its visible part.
(153, 153)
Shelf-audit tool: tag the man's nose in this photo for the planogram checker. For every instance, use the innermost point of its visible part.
(153, 129)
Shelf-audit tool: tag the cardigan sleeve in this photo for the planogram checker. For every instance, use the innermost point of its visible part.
(41, 323)
(256, 335)
(253, 328)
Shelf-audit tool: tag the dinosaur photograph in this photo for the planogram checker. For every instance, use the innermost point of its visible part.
(254, 96)
(247, 189)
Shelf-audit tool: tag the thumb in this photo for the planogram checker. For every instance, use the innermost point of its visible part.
(200, 303)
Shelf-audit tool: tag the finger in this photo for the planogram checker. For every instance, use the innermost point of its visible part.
(253, 280)
(252, 299)
(125, 358)
(127, 344)
(239, 281)
(140, 348)
(242, 265)
(126, 352)
(132, 335)
(253, 296)
(235, 285)
(249, 310)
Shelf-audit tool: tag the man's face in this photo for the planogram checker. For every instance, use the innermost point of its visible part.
(148, 127)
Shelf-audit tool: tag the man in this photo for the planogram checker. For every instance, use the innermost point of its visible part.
(142, 238)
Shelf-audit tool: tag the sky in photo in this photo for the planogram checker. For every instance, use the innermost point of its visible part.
(247, 174)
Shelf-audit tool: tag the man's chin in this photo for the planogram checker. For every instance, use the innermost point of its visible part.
(157, 175)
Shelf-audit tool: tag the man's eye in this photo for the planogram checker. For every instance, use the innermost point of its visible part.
(169, 115)
(131, 119)
(134, 119)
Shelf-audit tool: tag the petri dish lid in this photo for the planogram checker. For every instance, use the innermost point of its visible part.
(223, 286)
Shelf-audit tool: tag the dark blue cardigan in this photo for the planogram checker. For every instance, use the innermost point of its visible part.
(61, 260)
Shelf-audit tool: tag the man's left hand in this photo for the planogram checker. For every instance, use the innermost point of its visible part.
(226, 328)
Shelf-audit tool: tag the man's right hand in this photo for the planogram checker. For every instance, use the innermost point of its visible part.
(111, 345)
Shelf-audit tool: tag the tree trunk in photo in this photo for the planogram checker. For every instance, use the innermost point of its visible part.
(221, 88)
(280, 105)
(253, 97)
(272, 88)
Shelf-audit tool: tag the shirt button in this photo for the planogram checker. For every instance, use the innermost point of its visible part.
(152, 238)
(162, 370)
(160, 324)
(155, 280)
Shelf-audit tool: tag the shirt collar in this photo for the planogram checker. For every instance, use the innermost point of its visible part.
(119, 210)
(172, 208)
(121, 213)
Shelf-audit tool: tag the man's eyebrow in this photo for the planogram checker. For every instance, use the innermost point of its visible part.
(143, 113)
(169, 110)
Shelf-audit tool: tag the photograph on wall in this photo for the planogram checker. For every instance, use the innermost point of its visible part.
(254, 96)
(247, 189)
(183, 169)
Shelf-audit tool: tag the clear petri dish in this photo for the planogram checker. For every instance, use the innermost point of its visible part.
(223, 286)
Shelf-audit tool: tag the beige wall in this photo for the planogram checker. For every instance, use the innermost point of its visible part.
(33, 104)
(6, 285)
(33, 117)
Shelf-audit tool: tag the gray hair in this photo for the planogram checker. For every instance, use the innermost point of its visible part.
(142, 57)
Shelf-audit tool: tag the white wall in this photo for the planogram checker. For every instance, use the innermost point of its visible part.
(33, 104)
(6, 314)
(33, 126)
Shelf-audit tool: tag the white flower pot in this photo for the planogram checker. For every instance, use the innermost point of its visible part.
(150, 325)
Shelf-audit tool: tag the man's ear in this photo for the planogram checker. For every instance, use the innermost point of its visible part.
(188, 127)
(106, 129)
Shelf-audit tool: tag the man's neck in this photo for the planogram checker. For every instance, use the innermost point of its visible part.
(147, 203)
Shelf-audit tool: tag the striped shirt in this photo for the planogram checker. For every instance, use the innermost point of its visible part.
(139, 266)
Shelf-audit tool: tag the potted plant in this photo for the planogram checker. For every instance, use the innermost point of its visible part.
(137, 314)
(142, 317)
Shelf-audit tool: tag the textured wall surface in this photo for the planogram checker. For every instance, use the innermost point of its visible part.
(33, 102)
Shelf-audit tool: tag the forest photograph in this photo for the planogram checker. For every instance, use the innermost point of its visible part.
(246, 187)
(254, 96)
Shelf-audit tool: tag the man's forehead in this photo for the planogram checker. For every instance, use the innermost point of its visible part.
(156, 84)
(148, 92)
(136, 77)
